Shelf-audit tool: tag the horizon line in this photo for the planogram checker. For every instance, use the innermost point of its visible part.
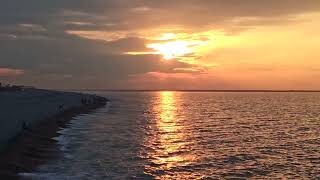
(191, 90)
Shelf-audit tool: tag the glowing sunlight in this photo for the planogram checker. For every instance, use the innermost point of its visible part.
(171, 50)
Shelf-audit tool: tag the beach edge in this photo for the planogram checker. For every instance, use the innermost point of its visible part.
(33, 145)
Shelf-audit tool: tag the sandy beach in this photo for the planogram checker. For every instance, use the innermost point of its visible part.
(30, 119)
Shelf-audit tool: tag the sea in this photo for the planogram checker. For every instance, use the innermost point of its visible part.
(191, 135)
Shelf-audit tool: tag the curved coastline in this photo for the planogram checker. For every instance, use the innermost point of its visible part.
(26, 139)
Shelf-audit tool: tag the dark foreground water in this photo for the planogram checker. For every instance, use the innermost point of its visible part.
(189, 135)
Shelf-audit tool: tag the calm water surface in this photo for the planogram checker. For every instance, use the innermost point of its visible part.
(189, 135)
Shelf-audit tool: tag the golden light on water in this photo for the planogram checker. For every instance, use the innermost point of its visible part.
(168, 108)
(170, 135)
(169, 130)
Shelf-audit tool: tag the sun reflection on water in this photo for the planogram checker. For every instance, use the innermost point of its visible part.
(167, 115)
(168, 142)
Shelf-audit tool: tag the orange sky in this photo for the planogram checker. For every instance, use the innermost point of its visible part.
(141, 44)
(275, 56)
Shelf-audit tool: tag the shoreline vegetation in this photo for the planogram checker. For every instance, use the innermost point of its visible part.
(30, 118)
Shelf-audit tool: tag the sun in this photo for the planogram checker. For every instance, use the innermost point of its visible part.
(171, 50)
(182, 47)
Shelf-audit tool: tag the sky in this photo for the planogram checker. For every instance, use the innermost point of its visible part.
(167, 44)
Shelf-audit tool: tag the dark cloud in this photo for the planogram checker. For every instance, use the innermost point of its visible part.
(128, 14)
(65, 58)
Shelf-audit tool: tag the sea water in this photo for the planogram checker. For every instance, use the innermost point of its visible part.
(192, 135)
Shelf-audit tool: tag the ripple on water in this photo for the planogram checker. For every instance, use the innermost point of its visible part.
(178, 135)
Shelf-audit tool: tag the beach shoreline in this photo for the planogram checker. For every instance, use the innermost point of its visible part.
(33, 145)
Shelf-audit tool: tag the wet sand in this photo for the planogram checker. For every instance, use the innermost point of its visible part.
(35, 146)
